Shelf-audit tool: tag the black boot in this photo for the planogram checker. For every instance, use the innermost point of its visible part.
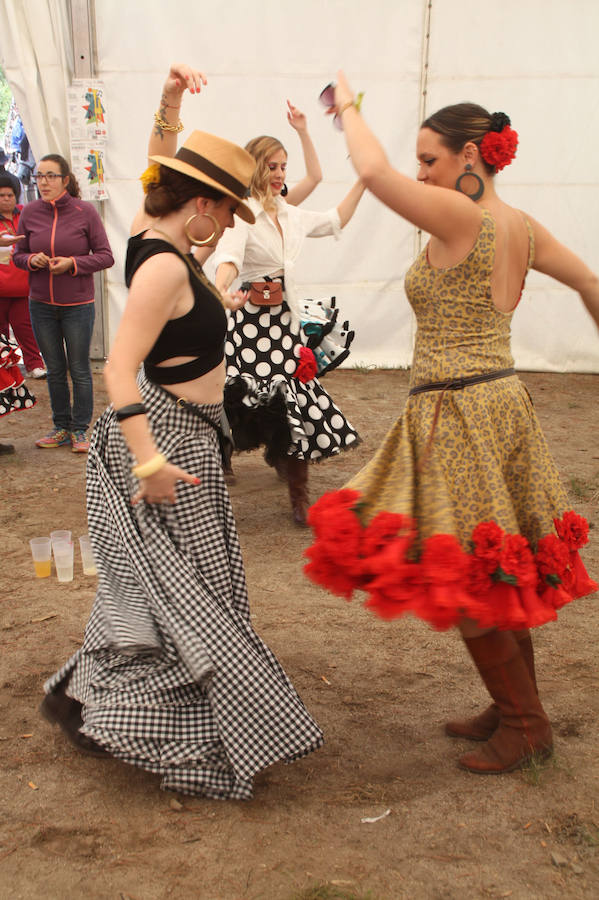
(60, 709)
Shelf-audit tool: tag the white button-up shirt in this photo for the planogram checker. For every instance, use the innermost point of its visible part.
(258, 250)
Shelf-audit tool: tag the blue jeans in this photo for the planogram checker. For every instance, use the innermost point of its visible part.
(66, 328)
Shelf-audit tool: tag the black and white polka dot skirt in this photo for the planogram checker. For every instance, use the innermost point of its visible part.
(14, 393)
(265, 404)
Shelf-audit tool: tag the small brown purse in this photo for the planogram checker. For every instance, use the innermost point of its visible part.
(266, 293)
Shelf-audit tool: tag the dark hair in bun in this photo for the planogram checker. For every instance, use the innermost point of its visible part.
(499, 120)
(173, 191)
(464, 122)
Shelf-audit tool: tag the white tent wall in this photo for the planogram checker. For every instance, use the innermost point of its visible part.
(535, 60)
(36, 54)
(256, 56)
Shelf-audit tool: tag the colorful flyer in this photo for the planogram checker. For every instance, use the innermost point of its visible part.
(87, 162)
(87, 111)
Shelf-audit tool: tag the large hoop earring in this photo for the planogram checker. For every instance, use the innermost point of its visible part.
(480, 189)
(209, 240)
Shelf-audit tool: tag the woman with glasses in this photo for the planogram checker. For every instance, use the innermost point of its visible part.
(64, 244)
(460, 518)
(277, 343)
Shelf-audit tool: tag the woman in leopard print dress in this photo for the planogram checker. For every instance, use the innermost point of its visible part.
(460, 518)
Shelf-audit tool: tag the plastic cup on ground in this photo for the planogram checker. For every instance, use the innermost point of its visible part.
(63, 560)
(41, 550)
(87, 557)
(58, 536)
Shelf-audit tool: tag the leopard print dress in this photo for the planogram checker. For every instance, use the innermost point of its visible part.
(488, 458)
(467, 474)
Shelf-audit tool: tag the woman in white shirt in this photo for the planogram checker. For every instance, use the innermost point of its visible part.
(276, 344)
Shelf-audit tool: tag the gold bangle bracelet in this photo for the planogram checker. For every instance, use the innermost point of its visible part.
(153, 465)
(166, 126)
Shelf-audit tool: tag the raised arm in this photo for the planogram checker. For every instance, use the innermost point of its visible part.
(348, 205)
(298, 193)
(163, 136)
(181, 77)
(437, 210)
(556, 260)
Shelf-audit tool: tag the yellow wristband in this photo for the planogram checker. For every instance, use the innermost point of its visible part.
(357, 104)
(150, 467)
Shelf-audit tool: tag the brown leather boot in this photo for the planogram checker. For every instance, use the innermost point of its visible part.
(297, 480)
(482, 726)
(524, 730)
(280, 467)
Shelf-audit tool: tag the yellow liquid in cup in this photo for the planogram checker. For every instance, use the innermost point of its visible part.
(43, 567)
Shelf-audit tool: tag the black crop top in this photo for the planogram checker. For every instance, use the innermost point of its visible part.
(200, 332)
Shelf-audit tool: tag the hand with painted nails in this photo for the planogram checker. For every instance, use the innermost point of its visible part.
(182, 77)
(160, 487)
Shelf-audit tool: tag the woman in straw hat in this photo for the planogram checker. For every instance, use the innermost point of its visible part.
(171, 676)
(460, 518)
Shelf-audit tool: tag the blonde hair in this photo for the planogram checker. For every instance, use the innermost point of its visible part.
(262, 149)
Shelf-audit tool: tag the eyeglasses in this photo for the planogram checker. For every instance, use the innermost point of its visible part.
(46, 176)
(327, 98)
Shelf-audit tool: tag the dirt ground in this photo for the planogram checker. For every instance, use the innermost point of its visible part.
(73, 826)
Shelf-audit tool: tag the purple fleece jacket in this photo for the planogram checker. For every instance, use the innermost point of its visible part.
(66, 226)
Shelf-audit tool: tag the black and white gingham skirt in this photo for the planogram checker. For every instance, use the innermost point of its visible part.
(171, 674)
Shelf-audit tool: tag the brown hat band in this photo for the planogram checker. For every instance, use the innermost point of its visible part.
(215, 172)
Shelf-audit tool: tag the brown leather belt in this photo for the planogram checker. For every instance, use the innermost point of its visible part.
(456, 384)
(453, 384)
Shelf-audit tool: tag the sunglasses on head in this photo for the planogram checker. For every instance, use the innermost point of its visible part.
(327, 98)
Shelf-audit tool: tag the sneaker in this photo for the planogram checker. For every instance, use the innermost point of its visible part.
(5, 449)
(55, 438)
(38, 372)
(79, 442)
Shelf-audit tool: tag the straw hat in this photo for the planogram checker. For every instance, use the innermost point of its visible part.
(215, 162)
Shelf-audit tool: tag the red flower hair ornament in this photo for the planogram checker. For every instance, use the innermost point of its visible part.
(498, 148)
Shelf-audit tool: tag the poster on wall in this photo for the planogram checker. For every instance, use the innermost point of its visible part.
(87, 161)
(88, 132)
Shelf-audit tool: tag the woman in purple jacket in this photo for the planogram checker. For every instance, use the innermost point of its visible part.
(64, 243)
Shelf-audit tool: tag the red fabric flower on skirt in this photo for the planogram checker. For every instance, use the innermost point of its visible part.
(307, 366)
(393, 581)
(443, 570)
(335, 560)
(384, 528)
(573, 530)
(487, 538)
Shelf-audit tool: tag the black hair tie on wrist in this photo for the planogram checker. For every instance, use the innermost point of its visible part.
(126, 412)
